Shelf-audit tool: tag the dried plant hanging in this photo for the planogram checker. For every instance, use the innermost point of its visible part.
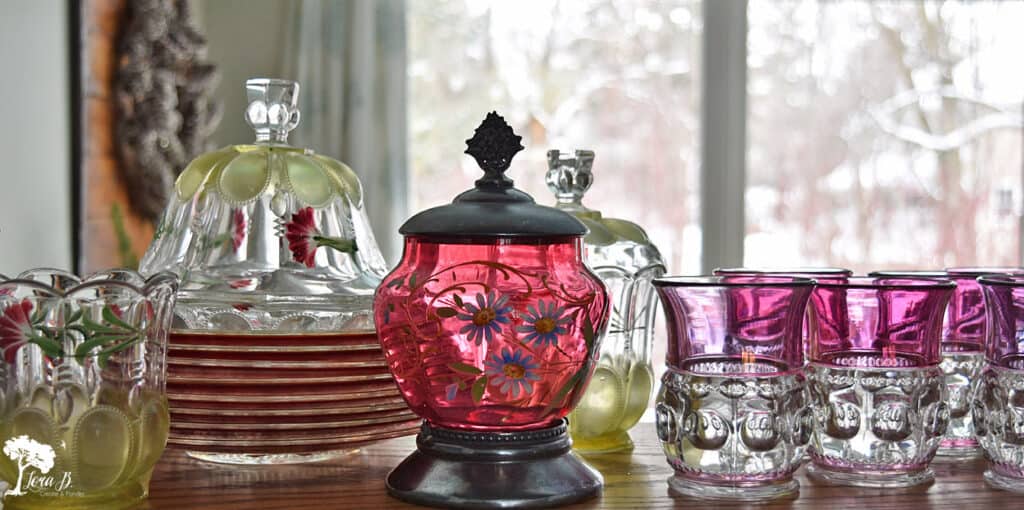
(163, 88)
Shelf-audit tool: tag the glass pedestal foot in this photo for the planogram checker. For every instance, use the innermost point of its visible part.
(1004, 482)
(958, 454)
(603, 444)
(272, 459)
(466, 469)
(954, 450)
(869, 478)
(694, 489)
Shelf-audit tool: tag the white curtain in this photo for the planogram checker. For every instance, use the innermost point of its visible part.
(349, 57)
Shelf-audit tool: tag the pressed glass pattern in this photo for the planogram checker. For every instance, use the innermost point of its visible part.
(83, 413)
(876, 387)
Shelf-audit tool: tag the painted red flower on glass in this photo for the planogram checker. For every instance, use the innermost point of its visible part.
(237, 229)
(300, 233)
(304, 238)
(15, 328)
(240, 284)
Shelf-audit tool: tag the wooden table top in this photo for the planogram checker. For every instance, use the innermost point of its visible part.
(632, 480)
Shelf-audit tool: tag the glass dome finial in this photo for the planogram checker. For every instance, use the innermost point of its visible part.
(273, 108)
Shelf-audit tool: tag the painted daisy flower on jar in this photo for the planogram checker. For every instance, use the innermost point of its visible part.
(486, 317)
(512, 372)
(544, 323)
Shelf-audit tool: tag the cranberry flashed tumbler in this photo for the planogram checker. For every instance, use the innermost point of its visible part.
(876, 387)
(491, 326)
(963, 338)
(818, 274)
(998, 407)
(963, 359)
(731, 414)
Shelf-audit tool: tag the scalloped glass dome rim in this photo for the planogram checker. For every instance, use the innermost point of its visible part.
(204, 173)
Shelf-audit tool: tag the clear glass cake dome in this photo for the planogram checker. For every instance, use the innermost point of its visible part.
(266, 236)
(273, 356)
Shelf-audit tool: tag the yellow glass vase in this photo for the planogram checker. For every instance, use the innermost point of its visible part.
(83, 410)
(626, 261)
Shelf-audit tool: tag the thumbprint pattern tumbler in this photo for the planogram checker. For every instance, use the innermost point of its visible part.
(963, 358)
(998, 407)
(731, 413)
(877, 391)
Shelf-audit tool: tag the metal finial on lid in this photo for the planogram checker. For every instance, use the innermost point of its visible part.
(493, 146)
(494, 208)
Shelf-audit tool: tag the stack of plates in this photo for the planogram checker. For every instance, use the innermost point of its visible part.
(281, 394)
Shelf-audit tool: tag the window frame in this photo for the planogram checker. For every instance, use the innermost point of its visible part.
(723, 140)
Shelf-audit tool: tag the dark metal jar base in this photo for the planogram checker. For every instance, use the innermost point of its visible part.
(466, 469)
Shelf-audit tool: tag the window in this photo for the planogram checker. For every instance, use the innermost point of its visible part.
(879, 134)
(884, 134)
(619, 77)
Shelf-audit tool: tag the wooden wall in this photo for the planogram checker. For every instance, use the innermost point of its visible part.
(100, 184)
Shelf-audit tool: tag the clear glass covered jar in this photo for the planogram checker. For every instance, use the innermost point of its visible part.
(273, 355)
(627, 262)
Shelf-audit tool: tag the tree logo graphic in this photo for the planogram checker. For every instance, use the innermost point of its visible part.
(27, 452)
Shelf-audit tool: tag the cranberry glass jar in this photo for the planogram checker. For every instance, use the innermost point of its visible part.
(490, 335)
(490, 325)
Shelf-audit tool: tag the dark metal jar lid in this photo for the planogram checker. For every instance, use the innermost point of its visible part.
(494, 208)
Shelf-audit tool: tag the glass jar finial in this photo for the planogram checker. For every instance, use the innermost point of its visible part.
(273, 108)
(569, 175)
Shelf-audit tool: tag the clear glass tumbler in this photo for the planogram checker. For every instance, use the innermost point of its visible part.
(877, 391)
(998, 407)
(731, 413)
(83, 409)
